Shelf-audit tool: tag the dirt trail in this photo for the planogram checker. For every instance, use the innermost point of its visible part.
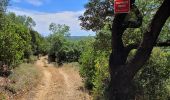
(62, 83)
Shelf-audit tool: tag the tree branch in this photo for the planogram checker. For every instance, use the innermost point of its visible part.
(132, 46)
(139, 18)
(149, 39)
(159, 44)
(163, 44)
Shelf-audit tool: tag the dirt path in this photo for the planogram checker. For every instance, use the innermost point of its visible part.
(62, 83)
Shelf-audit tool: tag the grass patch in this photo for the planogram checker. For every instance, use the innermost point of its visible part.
(2, 96)
(23, 78)
(45, 63)
(31, 59)
(74, 65)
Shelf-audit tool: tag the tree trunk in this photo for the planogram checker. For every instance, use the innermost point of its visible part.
(122, 73)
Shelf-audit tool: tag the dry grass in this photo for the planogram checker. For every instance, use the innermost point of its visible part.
(2, 96)
(31, 60)
(74, 81)
(45, 62)
(23, 78)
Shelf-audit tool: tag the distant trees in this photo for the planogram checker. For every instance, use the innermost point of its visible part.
(61, 49)
(59, 29)
(39, 43)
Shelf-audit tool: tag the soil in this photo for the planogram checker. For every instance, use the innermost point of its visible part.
(57, 83)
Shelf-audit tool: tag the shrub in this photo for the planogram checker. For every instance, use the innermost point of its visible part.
(151, 82)
(87, 68)
(152, 79)
(87, 64)
(64, 51)
(15, 44)
(101, 79)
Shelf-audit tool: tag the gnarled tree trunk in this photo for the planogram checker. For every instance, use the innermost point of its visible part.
(121, 72)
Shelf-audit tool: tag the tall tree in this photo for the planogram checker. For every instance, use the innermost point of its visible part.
(58, 29)
(24, 20)
(3, 5)
(123, 71)
(57, 39)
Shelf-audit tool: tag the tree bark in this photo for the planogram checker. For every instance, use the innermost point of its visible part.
(149, 39)
(122, 73)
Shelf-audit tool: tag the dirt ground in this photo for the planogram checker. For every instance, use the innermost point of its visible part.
(57, 83)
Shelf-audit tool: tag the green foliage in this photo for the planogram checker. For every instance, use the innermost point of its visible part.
(15, 40)
(95, 52)
(18, 40)
(61, 48)
(39, 44)
(148, 10)
(65, 51)
(3, 5)
(95, 15)
(24, 20)
(103, 40)
(57, 38)
(150, 82)
(87, 64)
(62, 30)
(69, 52)
(101, 79)
(152, 79)
(94, 63)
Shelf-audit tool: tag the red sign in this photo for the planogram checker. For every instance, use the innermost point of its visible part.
(121, 6)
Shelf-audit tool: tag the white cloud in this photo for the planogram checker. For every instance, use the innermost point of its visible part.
(33, 2)
(43, 20)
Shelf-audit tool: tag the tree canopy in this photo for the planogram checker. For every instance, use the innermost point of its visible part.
(138, 29)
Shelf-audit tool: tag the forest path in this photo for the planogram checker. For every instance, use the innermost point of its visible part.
(57, 83)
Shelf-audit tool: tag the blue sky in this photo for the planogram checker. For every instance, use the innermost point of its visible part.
(46, 11)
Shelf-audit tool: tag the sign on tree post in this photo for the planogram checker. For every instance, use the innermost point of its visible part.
(121, 6)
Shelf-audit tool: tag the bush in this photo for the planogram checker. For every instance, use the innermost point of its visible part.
(87, 64)
(151, 80)
(94, 64)
(87, 68)
(15, 44)
(69, 52)
(101, 79)
(64, 51)
(95, 71)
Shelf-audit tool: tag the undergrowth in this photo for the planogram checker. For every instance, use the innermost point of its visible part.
(23, 78)
(2, 96)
